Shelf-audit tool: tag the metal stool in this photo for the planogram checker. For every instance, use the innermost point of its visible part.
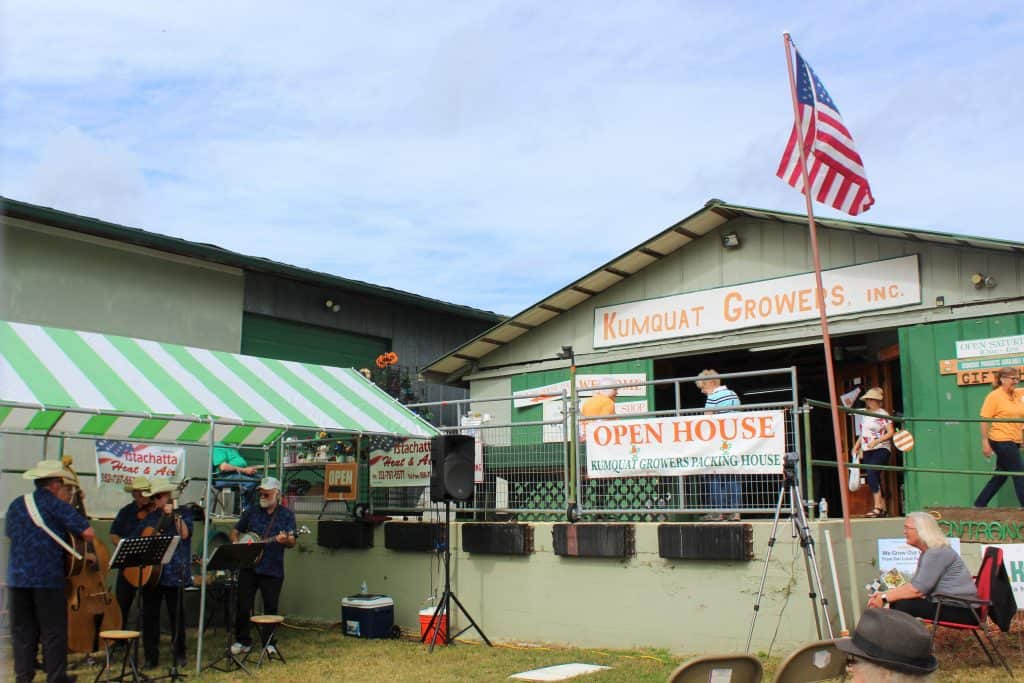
(271, 620)
(130, 640)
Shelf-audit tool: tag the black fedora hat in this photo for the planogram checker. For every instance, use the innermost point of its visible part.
(891, 639)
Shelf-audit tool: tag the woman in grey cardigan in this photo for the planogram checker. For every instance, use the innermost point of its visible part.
(939, 570)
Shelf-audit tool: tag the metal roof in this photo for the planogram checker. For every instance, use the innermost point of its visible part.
(714, 213)
(213, 253)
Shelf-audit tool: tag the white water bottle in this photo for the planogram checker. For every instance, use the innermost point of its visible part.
(823, 509)
(362, 589)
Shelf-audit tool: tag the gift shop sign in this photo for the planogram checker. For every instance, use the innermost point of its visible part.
(725, 443)
(405, 463)
(855, 289)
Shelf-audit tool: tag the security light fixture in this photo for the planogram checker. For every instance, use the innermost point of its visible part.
(730, 240)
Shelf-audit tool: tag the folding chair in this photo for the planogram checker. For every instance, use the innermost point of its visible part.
(820, 661)
(989, 571)
(732, 668)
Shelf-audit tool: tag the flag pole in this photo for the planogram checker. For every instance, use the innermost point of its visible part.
(826, 339)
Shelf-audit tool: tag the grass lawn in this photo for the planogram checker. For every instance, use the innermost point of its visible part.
(321, 653)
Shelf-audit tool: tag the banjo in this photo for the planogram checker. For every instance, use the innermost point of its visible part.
(251, 538)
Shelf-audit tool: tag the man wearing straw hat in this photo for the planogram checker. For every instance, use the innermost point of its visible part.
(128, 524)
(170, 521)
(37, 525)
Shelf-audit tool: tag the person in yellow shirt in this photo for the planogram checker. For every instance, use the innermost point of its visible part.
(1003, 438)
(600, 404)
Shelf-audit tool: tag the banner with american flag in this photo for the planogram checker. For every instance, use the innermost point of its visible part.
(118, 462)
(834, 167)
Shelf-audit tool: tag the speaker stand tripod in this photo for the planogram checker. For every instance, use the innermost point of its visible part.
(443, 606)
(790, 487)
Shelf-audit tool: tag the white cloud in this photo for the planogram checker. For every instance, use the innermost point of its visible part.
(488, 153)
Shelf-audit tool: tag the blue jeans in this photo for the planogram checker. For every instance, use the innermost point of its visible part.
(1007, 460)
(876, 456)
(725, 491)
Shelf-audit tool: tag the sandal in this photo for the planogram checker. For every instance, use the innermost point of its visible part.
(876, 512)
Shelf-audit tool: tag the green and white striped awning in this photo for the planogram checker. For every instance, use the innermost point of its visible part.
(64, 382)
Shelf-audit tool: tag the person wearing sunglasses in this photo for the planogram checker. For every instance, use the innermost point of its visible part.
(1003, 438)
(888, 647)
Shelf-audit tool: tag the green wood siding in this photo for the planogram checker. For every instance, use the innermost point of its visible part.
(286, 340)
(926, 393)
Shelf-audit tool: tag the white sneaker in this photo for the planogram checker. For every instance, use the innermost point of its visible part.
(272, 651)
(239, 649)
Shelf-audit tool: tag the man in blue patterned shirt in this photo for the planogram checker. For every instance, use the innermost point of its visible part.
(167, 521)
(35, 571)
(274, 524)
(128, 524)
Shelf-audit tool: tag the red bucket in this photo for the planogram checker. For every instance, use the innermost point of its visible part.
(440, 624)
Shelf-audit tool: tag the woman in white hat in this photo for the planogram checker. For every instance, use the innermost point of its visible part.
(36, 525)
(874, 445)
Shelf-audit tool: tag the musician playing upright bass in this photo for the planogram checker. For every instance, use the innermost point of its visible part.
(167, 520)
(275, 526)
(37, 526)
(128, 523)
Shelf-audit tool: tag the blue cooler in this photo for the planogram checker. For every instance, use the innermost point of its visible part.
(367, 616)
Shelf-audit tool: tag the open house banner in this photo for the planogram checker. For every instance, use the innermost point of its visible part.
(725, 443)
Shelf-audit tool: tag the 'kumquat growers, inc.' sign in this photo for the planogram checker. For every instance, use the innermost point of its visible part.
(725, 443)
(854, 289)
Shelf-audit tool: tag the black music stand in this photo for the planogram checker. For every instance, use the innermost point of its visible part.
(143, 551)
(232, 557)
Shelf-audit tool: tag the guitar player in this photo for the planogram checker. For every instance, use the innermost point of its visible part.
(166, 519)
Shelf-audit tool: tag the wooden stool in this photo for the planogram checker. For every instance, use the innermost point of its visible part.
(130, 639)
(271, 620)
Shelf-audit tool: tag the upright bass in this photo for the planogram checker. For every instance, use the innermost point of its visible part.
(91, 607)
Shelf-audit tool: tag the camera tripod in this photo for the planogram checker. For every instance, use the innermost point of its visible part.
(798, 517)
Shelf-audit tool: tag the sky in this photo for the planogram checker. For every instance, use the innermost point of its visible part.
(489, 153)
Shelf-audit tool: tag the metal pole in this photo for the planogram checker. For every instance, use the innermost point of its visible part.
(206, 549)
(825, 338)
(835, 585)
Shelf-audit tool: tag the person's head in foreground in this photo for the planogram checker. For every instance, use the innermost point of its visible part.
(889, 647)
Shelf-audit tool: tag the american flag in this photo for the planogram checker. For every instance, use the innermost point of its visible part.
(117, 448)
(834, 168)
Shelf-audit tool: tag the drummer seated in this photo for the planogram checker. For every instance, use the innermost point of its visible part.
(231, 471)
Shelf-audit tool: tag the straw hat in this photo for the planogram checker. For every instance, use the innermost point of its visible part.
(137, 484)
(159, 485)
(875, 393)
(893, 640)
(50, 469)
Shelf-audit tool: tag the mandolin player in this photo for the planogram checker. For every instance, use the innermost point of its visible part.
(128, 524)
(167, 520)
(274, 525)
(36, 525)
